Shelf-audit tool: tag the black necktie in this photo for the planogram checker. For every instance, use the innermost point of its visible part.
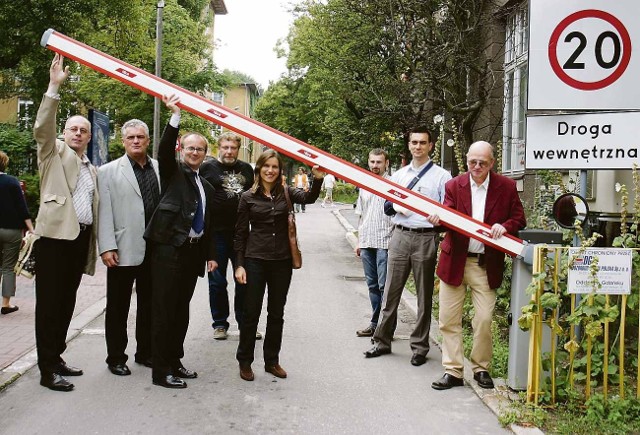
(198, 219)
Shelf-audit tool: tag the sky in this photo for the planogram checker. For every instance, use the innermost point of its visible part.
(247, 35)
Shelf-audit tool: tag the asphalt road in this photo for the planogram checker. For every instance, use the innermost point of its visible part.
(331, 388)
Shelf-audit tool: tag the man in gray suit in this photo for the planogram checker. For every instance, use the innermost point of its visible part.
(66, 224)
(130, 191)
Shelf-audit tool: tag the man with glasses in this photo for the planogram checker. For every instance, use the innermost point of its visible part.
(130, 191)
(67, 225)
(180, 243)
(413, 247)
(230, 177)
(493, 199)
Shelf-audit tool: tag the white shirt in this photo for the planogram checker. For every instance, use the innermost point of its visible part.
(375, 227)
(329, 181)
(478, 201)
(431, 185)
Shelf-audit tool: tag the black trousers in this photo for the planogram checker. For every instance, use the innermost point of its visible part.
(59, 268)
(120, 281)
(174, 272)
(274, 275)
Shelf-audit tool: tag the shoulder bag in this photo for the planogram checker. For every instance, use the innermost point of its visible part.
(296, 255)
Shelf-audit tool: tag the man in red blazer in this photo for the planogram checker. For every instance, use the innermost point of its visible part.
(464, 262)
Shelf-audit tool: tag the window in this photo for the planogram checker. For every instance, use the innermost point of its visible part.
(217, 97)
(515, 91)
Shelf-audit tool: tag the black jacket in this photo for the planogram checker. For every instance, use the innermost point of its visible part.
(171, 221)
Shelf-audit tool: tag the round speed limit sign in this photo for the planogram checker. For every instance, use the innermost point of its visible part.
(589, 50)
(581, 55)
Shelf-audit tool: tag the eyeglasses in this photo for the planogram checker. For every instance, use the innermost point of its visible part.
(481, 163)
(195, 150)
(75, 130)
(140, 137)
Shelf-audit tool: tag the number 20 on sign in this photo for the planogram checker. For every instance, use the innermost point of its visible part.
(582, 56)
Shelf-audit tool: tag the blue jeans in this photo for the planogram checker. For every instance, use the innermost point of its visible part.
(218, 295)
(374, 261)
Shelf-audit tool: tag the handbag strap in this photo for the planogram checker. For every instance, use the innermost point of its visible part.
(419, 176)
(286, 195)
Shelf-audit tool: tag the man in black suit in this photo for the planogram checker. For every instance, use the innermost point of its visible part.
(179, 235)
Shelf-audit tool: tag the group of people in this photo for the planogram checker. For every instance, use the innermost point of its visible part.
(159, 224)
(394, 241)
(163, 223)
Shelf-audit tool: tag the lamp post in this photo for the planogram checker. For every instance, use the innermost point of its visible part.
(158, 72)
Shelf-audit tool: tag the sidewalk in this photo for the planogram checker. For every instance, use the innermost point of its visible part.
(495, 399)
(17, 335)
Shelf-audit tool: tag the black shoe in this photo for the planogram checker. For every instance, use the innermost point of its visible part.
(170, 381)
(375, 352)
(55, 382)
(418, 360)
(483, 378)
(119, 369)
(181, 372)
(147, 362)
(446, 382)
(7, 310)
(65, 370)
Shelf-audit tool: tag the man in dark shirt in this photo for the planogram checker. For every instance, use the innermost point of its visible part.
(229, 177)
(130, 188)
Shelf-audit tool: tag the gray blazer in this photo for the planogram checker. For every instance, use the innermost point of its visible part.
(121, 212)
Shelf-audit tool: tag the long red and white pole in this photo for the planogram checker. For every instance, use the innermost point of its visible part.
(277, 140)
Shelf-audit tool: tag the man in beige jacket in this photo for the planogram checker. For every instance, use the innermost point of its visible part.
(67, 226)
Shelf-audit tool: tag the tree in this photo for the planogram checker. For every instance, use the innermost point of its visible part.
(381, 67)
(123, 29)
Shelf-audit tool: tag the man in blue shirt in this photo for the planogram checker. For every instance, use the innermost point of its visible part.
(413, 248)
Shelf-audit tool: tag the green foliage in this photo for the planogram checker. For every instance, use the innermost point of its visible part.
(361, 74)
(345, 193)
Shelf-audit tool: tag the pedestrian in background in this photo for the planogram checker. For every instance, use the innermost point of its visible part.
(67, 225)
(328, 184)
(14, 219)
(264, 258)
(374, 233)
(300, 181)
(468, 263)
(129, 193)
(230, 177)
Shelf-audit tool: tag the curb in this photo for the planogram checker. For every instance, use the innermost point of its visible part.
(29, 359)
(495, 399)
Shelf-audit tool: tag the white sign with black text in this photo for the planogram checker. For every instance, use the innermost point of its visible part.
(613, 276)
(590, 140)
(582, 54)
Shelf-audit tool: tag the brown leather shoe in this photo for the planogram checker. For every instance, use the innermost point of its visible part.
(276, 370)
(246, 373)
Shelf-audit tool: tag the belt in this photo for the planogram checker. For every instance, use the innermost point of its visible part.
(415, 230)
(85, 227)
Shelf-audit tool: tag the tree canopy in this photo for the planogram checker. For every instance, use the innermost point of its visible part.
(361, 73)
(123, 29)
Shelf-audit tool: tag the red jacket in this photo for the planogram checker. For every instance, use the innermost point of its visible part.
(502, 206)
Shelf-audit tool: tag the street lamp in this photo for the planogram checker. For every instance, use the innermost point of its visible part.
(158, 72)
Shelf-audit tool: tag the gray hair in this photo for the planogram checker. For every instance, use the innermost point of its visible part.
(133, 123)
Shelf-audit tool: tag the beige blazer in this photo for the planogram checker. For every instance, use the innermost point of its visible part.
(121, 211)
(59, 166)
